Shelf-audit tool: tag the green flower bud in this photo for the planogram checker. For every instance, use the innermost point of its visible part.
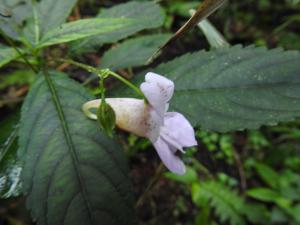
(106, 117)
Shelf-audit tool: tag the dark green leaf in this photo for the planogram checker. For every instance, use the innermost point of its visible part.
(145, 15)
(133, 52)
(257, 213)
(234, 88)
(10, 166)
(73, 174)
(79, 29)
(268, 175)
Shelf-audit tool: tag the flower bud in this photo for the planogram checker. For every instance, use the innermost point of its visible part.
(106, 118)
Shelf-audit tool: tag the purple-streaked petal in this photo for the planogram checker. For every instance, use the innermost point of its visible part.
(166, 154)
(158, 91)
(177, 131)
(154, 123)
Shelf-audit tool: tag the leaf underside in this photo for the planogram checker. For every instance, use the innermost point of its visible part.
(73, 174)
(234, 88)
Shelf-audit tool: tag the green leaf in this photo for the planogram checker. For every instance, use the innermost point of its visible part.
(268, 175)
(188, 178)
(257, 213)
(18, 77)
(53, 13)
(264, 194)
(213, 36)
(133, 52)
(10, 165)
(227, 204)
(18, 11)
(46, 15)
(7, 54)
(145, 15)
(82, 29)
(234, 88)
(73, 174)
(32, 28)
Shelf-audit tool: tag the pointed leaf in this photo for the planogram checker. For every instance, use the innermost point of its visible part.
(73, 174)
(84, 28)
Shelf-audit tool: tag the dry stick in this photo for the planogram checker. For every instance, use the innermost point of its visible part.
(241, 171)
(204, 10)
(150, 185)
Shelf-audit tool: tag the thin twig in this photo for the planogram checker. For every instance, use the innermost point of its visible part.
(241, 170)
(150, 185)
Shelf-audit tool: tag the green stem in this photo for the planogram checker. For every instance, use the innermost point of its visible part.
(80, 65)
(128, 83)
(103, 73)
(12, 44)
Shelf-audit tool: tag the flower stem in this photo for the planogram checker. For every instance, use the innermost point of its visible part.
(128, 83)
(104, 73)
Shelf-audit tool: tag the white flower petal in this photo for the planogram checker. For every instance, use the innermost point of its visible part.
(158, 91)
(163, 82)
(166, 154)
(178, 131)
(154, 123)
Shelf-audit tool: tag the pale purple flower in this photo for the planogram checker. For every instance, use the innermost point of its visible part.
(168, 131)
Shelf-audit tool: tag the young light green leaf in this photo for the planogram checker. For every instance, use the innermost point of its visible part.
(84, 28)
(145, 15)
(7, 54)
(235, 88)
(213, 36)
(73, 174)
(189, 177)
(133, 52)
(264, 194)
